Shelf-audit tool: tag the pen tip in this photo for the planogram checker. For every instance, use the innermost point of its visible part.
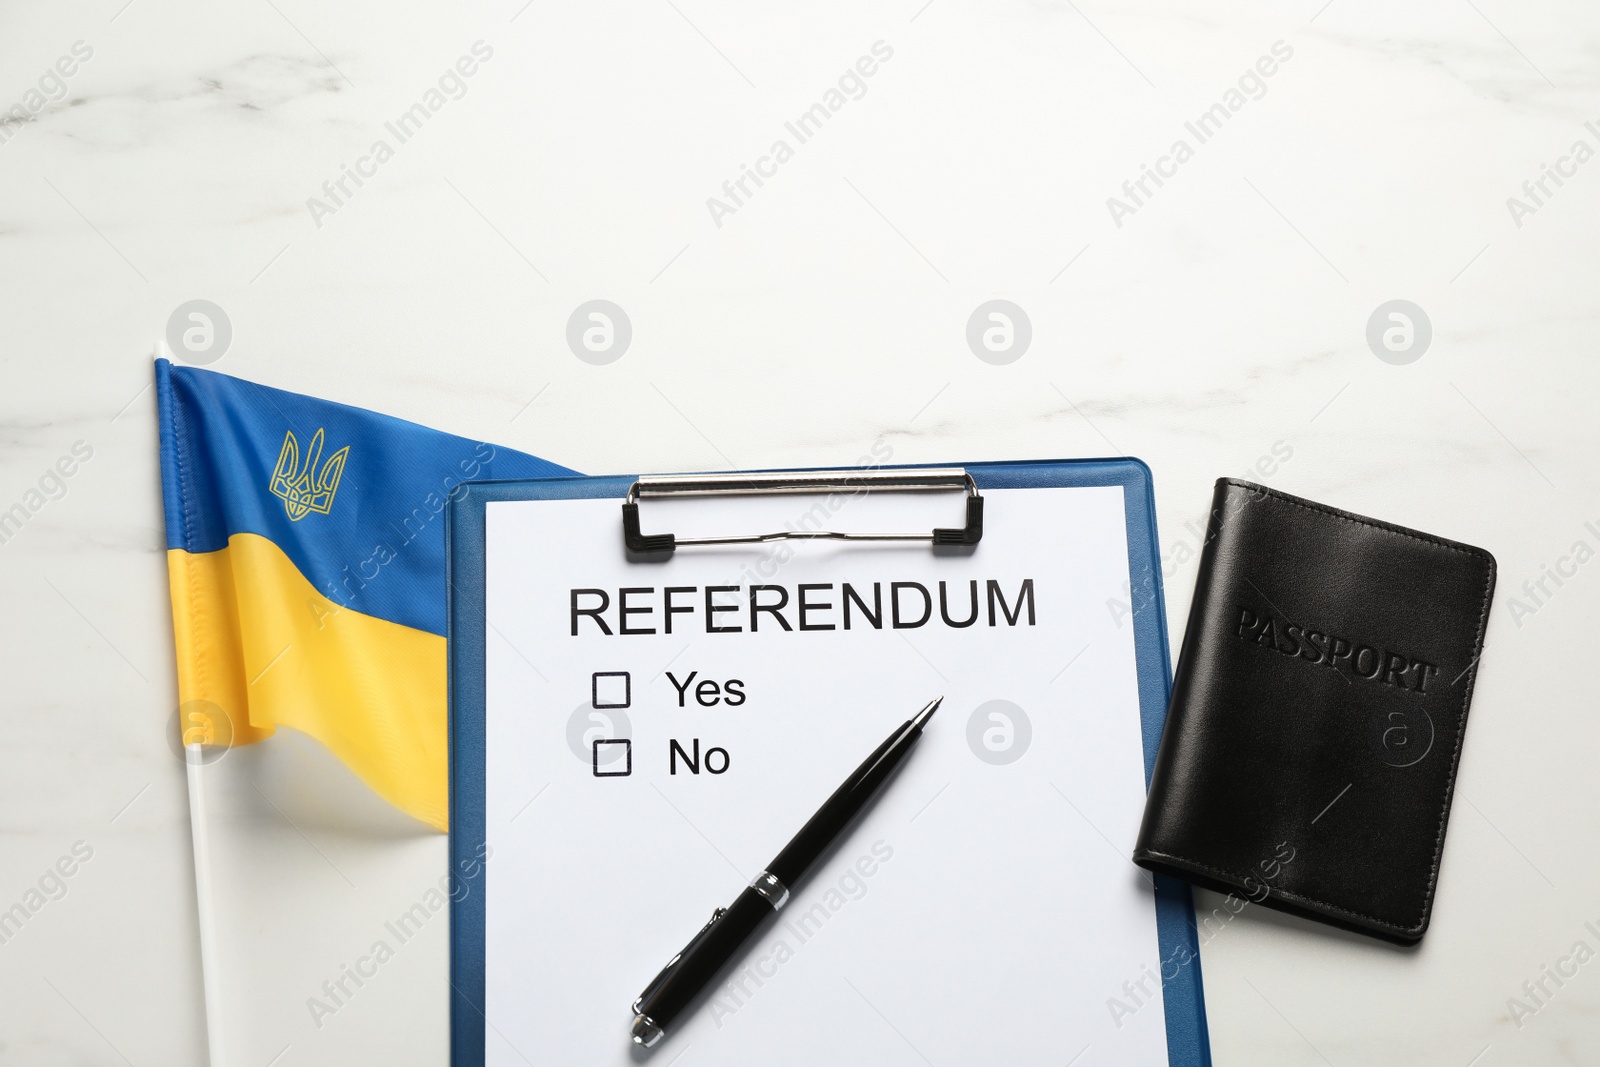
(927, 713)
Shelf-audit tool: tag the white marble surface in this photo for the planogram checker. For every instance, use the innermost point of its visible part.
(1225, 317)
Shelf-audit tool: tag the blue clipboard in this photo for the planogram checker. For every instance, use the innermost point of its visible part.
(1188, 1042)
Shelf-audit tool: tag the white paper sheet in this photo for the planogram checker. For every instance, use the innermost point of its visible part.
(985, 909)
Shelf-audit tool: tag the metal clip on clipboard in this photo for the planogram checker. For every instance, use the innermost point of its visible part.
(767, 483)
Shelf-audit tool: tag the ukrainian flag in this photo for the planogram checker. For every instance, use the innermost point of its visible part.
(306, 558)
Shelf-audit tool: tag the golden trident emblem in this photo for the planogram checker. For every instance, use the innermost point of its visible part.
(294, 484)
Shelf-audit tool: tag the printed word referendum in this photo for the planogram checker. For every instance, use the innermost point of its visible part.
(732, 609)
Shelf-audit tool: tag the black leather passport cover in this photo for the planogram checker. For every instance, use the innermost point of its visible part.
(1317, 712)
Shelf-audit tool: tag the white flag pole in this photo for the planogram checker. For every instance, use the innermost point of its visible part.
(210, 969)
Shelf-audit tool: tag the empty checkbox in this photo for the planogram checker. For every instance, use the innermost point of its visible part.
(611, 689)
(609, 753)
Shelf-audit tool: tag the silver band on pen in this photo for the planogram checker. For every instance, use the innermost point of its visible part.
(644, 1030)
(771, 890)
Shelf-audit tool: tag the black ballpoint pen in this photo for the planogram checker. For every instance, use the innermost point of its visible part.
(690, 971)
